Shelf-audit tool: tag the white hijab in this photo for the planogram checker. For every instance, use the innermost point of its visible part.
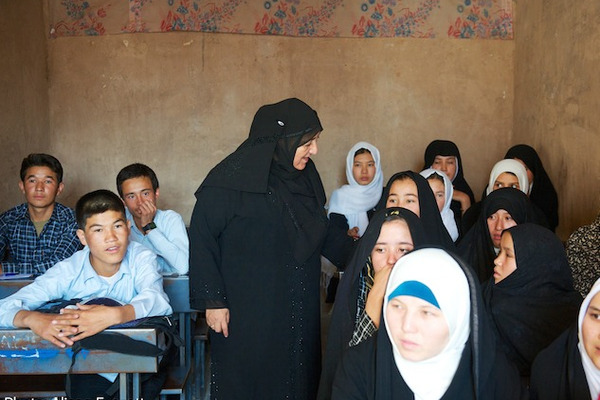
(592, 374)
(512, 166)
(354, 200)
(447, 213)
(429, 379)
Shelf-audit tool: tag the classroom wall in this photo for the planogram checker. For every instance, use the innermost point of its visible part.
(24, 108)
(180, 102)
(557, 99)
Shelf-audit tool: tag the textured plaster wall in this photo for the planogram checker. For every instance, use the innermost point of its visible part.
(180, 102)
(24, 122)
(557, 99)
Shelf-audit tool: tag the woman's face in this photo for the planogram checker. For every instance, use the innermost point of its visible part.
(394, 241)
(418, 328)
(529, 172)
(446, 164)
(590, 330)
(403, 193)
(439, 192)
(363, 169)
(305, 151)
(497, 222)
(506, 179)
(506, 263)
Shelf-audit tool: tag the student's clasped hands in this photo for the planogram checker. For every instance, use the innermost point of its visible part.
(72, 325)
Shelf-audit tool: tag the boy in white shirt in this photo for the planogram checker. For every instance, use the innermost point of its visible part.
(108, 266)
(162, 231)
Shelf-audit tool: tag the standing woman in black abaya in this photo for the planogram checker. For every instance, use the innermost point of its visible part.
(256, 235)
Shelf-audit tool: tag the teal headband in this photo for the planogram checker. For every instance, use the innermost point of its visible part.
(415, 289)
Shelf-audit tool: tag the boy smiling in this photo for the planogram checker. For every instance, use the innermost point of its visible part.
(108, 266)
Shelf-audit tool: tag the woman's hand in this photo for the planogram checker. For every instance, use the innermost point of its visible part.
(218, 320)
(376, 294)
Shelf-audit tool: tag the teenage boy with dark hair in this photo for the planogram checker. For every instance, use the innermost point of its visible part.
(108, 266)
(40, 232)
(162, 231)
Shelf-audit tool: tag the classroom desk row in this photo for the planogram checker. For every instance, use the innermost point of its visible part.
(177, 288)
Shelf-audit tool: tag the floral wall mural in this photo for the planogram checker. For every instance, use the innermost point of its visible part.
(462, 19)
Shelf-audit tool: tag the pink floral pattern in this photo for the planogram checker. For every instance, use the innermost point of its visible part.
(80, 19)
(287, 18)
(385, 19)
(460, 19)
(483, 19)
(201, 17)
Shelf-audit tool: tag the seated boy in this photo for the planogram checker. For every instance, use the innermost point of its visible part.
(108, 266)
(162, 231)
(39, 233)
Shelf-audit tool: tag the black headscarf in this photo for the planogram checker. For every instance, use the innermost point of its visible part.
(344, 312)
(476, 247)
(264, 162)
(447, 148)
(557, 372)
(542, 192)
(533, 305)
(247, 169)
(429, 213)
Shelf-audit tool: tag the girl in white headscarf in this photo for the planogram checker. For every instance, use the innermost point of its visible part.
(437, 342)
(443, 198)
(363, 191)
(508, 173)
(569, 369)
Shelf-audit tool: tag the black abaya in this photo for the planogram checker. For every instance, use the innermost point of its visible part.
(256, 235)
(557, 372)
(533, 305)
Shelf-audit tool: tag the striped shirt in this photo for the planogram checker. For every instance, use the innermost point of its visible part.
(27, 253)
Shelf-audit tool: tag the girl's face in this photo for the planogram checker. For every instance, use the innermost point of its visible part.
(439, 192)
(506, 263)
(446, 164)
(418, 328)
(394, 241)
(363, 169)
(506, 179)
(590, 330)
(403, 193)
(497, 222)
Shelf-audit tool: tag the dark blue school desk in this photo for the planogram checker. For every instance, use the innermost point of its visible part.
(176, 288)
(22, 352)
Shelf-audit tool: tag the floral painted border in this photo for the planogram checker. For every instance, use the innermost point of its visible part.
(460, 19)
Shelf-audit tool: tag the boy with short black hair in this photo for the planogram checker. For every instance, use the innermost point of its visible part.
(162, 231)
(40, 232)
(108, 266)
